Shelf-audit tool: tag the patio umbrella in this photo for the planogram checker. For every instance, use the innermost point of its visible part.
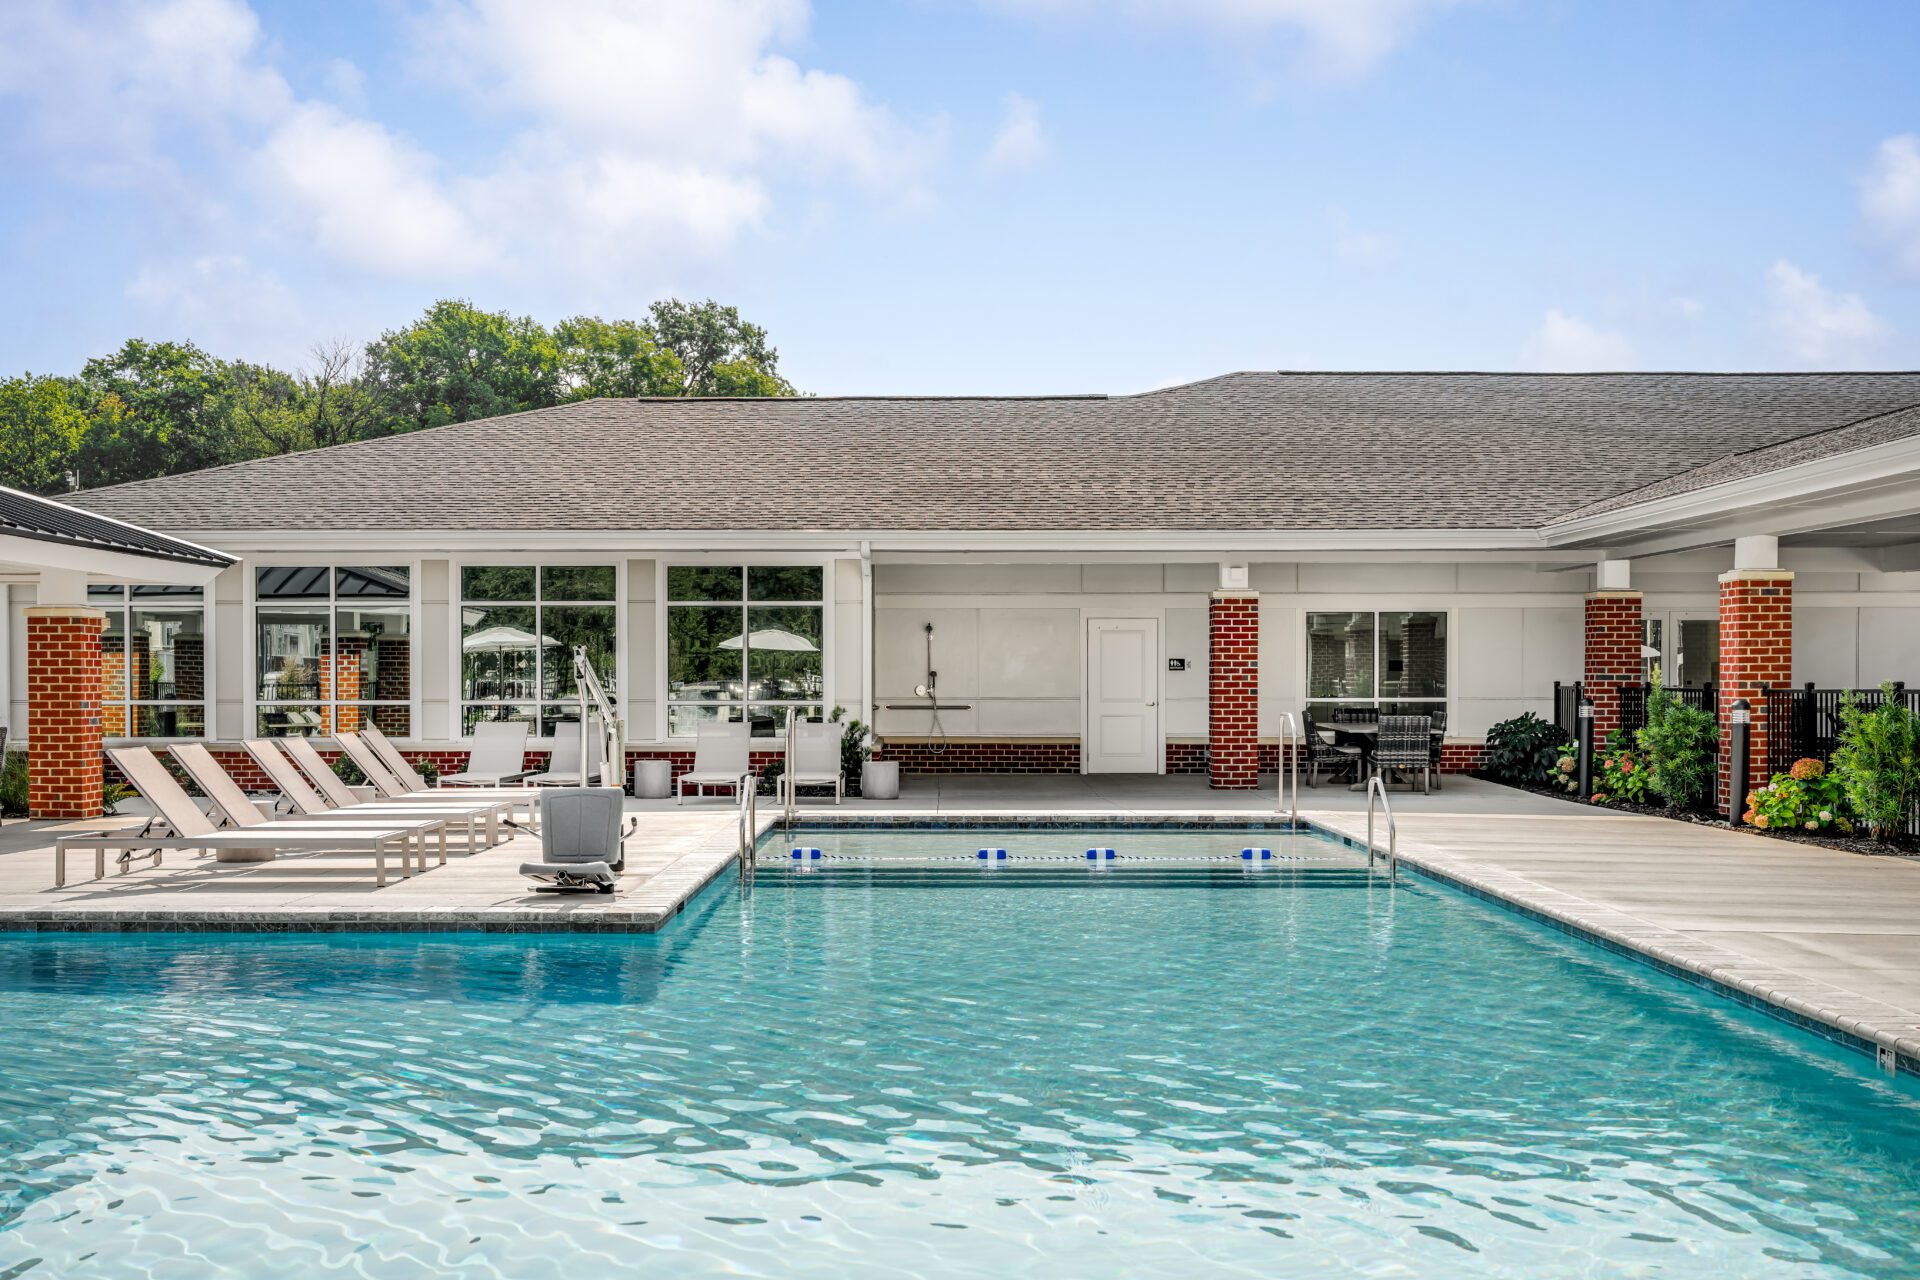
(771, 638)
(502, 640)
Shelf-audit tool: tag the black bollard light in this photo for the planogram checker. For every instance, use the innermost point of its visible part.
(1740, 734)
(1585, 721)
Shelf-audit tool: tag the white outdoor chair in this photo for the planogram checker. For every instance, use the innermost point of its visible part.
(719, 758)
(563, 766)
(499, 756)
(815, 759)
(303, 798)
(178, 824)
(237, 809)
(341, 796)
(398, 765)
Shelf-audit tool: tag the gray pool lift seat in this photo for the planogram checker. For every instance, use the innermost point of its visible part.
(583, 840)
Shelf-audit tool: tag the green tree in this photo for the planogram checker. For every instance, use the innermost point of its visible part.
(720, 353)
(330, 402)
(42, 424)
(613, 358)
(1878, 760)
(457, 363)
(154, 409)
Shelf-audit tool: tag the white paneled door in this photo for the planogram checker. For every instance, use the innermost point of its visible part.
(1123, 696)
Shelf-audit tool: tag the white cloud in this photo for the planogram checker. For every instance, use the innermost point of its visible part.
(1342, 36)
(1568, 344)
(1817, 325)
(368, 198)
(223, 302)
(1890, 201)
(1356, 247)
(103, 86)
(602, 135)
(1020, 143)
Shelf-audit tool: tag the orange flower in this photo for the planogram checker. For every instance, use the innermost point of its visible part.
(1760, 820)
(1749, 817)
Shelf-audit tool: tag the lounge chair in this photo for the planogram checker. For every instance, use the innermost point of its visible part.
(300, 797)
(341, 796)
(178, 824)
(815, 759)
(398, 765)
(499, 756)
(719, 758)
(583, 841)
(237, 810)
(563, 765)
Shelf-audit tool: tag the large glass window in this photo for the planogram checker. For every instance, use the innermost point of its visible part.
(519, 627)
(1388, 663)
(744, 643)
(153, 661)
(333, 650)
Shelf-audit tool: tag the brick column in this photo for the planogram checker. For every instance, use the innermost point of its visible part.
(64, 759)
(1233, 691)
(1613, 640)
(1756, 649)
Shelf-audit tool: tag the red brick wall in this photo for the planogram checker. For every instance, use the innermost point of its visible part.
(1010, 756)
(1613, 639)
(1756, 650)
(1233, 691)
(63, 712)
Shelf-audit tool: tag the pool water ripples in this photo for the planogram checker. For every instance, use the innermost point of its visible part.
(872, 1070)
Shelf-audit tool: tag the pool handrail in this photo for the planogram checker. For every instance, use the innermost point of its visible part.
(1376, 787)
(1289, 737)
(749, 822)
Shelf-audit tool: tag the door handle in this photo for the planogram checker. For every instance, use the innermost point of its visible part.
(1153, 704)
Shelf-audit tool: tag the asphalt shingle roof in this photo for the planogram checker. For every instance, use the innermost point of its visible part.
(27, 516)
(1246, 451)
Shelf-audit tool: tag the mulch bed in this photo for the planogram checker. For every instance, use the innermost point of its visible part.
(1860, 844)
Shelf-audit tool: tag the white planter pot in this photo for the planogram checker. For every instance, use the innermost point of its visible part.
(880, 780)
(653, 779)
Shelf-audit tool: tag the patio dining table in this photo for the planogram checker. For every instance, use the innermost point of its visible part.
(1364, 734)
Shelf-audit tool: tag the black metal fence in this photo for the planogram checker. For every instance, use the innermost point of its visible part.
(1633, 704)
(1805, 721)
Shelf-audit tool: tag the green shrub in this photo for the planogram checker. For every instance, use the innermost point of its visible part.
(1878, 761)
(347, 771)
(1807, 799)
(1623, 772)
(112, 792)
(1524, 751)
(13, 785)
(1680, 743)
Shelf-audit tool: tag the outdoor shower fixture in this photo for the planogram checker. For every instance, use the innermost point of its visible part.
(930, 691)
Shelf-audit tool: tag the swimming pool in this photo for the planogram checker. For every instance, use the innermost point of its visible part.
(903, 1064)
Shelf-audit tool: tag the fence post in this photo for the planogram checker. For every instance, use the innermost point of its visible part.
(1585, 740)
(1738, 766)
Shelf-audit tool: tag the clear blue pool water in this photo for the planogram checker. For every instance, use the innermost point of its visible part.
(930, 1071)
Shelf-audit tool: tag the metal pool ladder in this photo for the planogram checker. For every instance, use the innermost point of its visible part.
(1289, 734)
(1375, 787)
(749, 824)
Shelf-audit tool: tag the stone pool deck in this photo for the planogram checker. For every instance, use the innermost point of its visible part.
(1822, 937)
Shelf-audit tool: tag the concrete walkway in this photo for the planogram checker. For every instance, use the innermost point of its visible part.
(671, 858)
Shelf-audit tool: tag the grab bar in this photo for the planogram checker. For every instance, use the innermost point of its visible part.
(1289, 732)
(786, 814)
(1375, 787)
(749, 823)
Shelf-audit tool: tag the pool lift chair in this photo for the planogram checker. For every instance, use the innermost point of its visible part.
(584, 830)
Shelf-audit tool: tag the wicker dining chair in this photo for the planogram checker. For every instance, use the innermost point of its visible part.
(1438, 739)
(1405, 744)
(1322, 754)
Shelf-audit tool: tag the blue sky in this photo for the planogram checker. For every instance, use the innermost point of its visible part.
(979, 195)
